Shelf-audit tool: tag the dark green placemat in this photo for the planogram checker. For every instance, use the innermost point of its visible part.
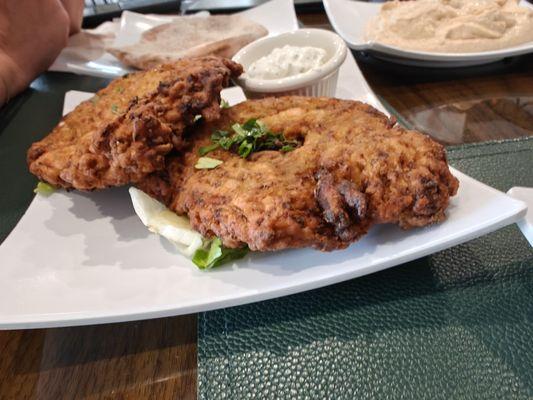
(455, 325)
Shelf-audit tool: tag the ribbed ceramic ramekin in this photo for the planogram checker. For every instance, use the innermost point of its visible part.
(320, 81)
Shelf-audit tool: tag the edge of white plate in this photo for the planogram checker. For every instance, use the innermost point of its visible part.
(31, 321)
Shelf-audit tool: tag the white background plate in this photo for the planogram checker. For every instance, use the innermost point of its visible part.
(84, 258)
(349, 19)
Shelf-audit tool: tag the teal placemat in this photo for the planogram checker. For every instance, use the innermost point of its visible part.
(455, 325)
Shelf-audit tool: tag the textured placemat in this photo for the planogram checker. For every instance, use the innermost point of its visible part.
(455, 325)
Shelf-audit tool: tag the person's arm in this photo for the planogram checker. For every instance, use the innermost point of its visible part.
(32, 33)
(9, 76)
(74, 9)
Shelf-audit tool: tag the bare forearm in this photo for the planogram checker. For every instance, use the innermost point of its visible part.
(74, 9)
(4, 91)
(32, 34)
(12, 80)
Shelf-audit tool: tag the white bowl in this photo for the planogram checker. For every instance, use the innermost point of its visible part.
(320, 81)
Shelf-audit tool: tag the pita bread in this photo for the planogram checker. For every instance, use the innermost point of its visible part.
(220, 35)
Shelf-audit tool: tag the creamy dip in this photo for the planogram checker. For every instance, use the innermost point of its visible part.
(287, 61)
(452, 26)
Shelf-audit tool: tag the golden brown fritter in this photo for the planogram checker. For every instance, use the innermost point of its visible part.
(354, 169)
(124, 132)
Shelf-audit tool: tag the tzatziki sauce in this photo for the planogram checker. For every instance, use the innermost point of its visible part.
(287, 61)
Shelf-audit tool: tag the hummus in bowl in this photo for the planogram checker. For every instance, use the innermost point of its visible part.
(452, 26)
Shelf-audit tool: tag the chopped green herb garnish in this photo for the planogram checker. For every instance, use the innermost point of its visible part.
(224, 103)
(213, 253)
(120, 89)
(207, 163)
(94, 99)
(114, 109)
(44, 189)
(247, 138)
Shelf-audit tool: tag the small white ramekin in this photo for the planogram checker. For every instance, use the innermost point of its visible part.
(320, 81)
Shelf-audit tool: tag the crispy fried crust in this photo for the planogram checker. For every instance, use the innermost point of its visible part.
(124, 132)
(353, 170)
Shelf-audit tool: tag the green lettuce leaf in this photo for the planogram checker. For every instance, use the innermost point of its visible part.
(214, 254)
(44, 189)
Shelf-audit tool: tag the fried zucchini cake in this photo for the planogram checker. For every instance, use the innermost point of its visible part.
(125, 131)
(353, 168)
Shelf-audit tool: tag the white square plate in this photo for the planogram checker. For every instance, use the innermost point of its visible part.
(85, 258)
(349, 18)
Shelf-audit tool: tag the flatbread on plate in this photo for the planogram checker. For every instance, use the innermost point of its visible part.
(220, 35)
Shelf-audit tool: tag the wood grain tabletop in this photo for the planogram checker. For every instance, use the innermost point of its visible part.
(157, 359)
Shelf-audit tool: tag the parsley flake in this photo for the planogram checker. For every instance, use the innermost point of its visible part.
(207, 163)
(224, 103)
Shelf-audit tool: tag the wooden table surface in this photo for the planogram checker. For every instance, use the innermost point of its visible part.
(157, 359)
